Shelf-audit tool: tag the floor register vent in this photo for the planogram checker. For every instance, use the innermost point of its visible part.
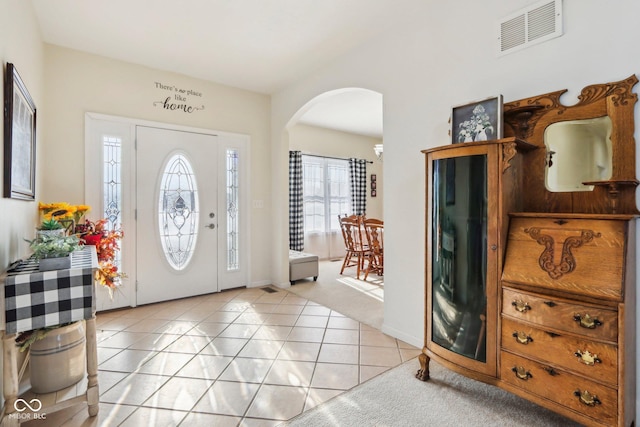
(534, 24)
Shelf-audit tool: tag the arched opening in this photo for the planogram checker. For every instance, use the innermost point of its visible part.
(330, 129)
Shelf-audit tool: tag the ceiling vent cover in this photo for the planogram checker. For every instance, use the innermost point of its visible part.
(537, 23)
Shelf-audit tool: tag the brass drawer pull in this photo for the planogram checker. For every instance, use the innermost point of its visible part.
(587, 398)
(521, 306)
(522, 337)
(587, 358)
(587, 321)
(522, 373)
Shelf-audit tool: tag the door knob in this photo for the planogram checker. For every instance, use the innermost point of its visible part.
(211, 226)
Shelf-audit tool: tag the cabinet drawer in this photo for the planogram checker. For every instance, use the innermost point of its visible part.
(557, 313)
(561, 387)
(581, 256)
(592, 359)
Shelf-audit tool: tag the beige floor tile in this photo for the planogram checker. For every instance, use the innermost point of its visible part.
(251, 318)
(379, 356)
(260, 349)
(377, 339)
(407, 354)
(165, 363)
(292, 373)
(294, 299)
(179, 394)
(209, 329)
(134, 389)
(316, 310)
(227, 398)
(152, 417)
(299, 333)
(221, 346)
(188, 344)
(147, 325)
(272, 332)
(264, 308)
(368, 372)
(195, 419)
(247, 370)
(119, 323)
(339, 353)
(278, 402)
(122, 339)
(274, 298)
(177, 327)
(106, 353)
(107, 379)
(258, 422)
(342, 336)
(319, 395)
(155, 342)
(341, 322)
(335, 376)
(281, 319)
(222, 317)
(235, 306)
(301, 351)
(205, 366)
(128, 360)
(239, 331)
(312, 321)
(288, 309)
(111, 415)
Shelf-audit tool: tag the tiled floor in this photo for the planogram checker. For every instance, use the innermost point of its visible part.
(243, 357)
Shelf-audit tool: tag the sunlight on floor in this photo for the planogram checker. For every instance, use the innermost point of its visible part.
(371, 289)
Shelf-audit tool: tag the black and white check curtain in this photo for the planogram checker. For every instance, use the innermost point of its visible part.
(296, 219)
(358, 183)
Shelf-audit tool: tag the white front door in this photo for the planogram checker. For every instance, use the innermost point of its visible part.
(177, 217)
(182, 200)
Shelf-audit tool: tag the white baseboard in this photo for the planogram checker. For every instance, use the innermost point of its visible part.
(409, 339)
(259, 284)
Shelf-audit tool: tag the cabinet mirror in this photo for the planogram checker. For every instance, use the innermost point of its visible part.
(578, 151)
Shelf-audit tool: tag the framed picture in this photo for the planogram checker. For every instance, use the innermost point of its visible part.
(19, 138)
(478, 121)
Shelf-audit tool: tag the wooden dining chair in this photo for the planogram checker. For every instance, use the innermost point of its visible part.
(356, 247)
(374, 231)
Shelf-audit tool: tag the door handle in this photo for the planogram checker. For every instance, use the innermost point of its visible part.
(211, 226)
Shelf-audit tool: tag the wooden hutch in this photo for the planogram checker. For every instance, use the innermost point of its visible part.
(531, 255)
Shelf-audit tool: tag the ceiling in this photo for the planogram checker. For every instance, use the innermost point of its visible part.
(257, 45)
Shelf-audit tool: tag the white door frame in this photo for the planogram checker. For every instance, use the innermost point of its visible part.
(95, 125)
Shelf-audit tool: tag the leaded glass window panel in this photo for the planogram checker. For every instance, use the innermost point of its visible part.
(233, 262)
(178, 211)
(112, 181)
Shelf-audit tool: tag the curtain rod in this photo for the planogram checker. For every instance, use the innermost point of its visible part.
(329, 157)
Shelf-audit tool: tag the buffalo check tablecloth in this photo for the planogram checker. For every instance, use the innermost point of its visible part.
(37, 299)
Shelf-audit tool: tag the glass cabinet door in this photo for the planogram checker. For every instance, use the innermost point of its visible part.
(459, 209)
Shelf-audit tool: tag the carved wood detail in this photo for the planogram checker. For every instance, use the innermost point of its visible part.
(567, 261)
(508, 152)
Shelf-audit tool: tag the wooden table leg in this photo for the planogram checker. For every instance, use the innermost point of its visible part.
(93, 394)
(10, 381)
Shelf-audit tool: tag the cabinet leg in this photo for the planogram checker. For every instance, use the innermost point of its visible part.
(10, 382)
(93, 394)
(423, 372)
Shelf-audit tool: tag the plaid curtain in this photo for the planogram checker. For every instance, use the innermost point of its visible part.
(358, 183)
(296, 219)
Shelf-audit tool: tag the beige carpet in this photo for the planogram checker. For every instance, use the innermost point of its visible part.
(358, 299)
(397, 398)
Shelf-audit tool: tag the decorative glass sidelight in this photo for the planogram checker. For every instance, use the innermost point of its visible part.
(233, 262)
(178, 211)
(112, 181)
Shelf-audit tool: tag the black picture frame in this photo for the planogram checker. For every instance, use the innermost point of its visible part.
(477, 121)
(19, 138)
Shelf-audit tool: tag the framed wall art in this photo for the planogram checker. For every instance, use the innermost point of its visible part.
(477, 121)
(19, 138)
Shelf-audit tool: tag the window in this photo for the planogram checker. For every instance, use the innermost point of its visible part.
(326, 193)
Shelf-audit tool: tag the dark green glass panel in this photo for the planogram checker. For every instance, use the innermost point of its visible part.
(459, 256)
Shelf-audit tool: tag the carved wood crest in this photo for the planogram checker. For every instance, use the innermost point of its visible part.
(567, 260)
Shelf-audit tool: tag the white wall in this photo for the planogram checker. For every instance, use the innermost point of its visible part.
(77, 83)
(446, 56)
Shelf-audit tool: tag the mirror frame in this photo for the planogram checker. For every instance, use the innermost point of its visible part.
(528, 118)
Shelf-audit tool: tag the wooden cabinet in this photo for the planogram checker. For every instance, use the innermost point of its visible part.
(531, 286)
(470, 186)
(567, 319)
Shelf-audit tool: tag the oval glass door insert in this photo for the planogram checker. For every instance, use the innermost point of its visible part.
(178, 211)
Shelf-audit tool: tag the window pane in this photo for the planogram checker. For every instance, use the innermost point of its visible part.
(326, 193)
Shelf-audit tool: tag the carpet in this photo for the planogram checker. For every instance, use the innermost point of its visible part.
(397, 398)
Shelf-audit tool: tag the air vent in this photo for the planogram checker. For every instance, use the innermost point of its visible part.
(536, 23)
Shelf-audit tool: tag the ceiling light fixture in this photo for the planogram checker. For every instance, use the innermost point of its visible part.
(378, 150)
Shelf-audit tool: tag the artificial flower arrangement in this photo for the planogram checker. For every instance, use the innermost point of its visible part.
(107, 243)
